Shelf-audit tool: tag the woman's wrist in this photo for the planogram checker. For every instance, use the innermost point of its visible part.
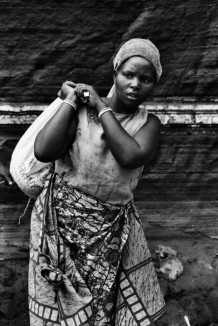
(103, 111)
(71, 97)
(71, 100)
(100, 106)
(72, 104)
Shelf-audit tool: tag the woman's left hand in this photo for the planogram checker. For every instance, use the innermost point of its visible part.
(94, 101)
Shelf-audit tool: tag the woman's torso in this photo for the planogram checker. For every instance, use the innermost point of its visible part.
(89, 164)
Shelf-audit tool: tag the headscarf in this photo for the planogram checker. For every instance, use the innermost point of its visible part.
(138, 47)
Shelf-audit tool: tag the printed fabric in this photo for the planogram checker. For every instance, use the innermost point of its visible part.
(89, 262)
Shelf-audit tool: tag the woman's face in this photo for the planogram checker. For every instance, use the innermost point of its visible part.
(134, 81)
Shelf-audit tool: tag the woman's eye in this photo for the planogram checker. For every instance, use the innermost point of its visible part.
(128, 75)
(145, 80)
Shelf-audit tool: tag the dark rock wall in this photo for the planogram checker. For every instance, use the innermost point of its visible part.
(44, 43)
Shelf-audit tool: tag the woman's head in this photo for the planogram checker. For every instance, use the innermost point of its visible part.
(137, 69)
(134, 81)
(139, 47)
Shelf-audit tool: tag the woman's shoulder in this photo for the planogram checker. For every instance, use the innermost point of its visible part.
(152, 118)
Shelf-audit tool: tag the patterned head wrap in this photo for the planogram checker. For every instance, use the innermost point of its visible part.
(139, 47)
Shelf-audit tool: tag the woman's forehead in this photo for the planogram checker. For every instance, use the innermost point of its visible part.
(138, 62)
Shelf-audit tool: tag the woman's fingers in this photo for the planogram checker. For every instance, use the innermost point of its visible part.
(80, 89)
(83, 91)
(70, 83)
(67, 89)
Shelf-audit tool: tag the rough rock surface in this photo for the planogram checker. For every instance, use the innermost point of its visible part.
(44, 43)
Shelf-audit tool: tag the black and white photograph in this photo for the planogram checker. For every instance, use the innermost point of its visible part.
(109, 163)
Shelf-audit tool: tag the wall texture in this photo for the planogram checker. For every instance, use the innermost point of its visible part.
(44, 43)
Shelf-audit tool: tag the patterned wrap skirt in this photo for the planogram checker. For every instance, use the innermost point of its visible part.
(89, 262)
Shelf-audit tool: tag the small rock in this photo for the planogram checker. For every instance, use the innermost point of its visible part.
(172, 268)
(169, 264)
(164, 252)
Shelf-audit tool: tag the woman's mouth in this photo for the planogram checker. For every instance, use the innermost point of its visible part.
(133, 96)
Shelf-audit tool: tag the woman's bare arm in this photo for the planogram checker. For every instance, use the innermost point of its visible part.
(131, 152)
(54, 139)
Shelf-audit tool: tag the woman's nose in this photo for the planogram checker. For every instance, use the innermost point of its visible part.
(135, 83)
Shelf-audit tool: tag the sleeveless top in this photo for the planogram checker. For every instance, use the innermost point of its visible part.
(89, 164)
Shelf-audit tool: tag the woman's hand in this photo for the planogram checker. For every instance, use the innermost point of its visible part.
(67, 91)
(94, 101)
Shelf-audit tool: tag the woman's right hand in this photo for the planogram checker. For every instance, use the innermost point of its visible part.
(67, 91)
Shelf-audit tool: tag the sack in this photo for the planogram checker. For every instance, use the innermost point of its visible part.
(26, 170)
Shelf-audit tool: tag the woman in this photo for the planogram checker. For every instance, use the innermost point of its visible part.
(90, 264)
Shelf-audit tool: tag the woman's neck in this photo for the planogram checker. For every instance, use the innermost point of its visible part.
(118, 106)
